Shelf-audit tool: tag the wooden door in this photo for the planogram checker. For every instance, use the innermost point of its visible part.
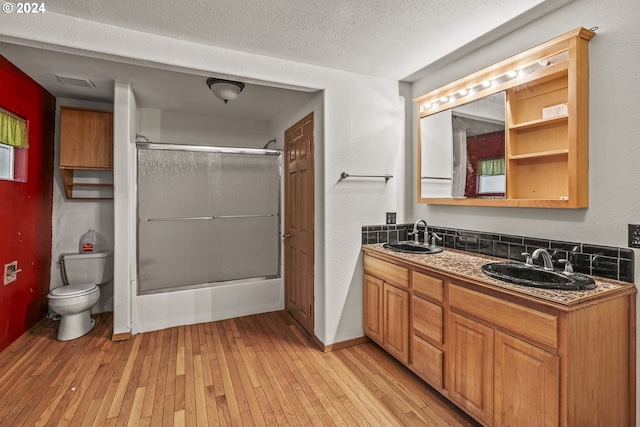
(373, 308)
(396, 322)
(526, 384)
(299, 222)
(471, 366)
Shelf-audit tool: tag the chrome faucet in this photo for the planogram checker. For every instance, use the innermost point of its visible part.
(546, 258)
(434, 239)
(416, 233)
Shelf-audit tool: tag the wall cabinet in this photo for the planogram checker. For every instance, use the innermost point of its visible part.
(86, 153)
(505, 358)
(546, 124)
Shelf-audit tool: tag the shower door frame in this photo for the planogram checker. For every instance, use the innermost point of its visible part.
(209, 149)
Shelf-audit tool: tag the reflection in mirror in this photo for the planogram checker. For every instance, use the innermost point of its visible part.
(462, 151)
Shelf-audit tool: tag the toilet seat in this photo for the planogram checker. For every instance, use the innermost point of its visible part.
(72, 291)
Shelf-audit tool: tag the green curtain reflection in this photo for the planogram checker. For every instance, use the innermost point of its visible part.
(13, 131)
(492, 166)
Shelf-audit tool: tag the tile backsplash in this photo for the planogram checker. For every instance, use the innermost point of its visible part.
(603, 261)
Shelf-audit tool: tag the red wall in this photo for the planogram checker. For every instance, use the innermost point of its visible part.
(480, 147)
(26, 207)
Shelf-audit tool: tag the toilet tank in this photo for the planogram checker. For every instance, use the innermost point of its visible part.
(96, 268)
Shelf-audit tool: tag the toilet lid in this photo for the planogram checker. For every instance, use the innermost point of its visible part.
(74, 290)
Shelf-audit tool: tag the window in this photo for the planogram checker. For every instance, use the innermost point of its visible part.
(14, 141)
(491, 176)
(6, 162)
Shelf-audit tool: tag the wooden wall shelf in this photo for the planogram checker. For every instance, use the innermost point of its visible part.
(86, 153)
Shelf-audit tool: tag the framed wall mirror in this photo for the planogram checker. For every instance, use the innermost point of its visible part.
(515, 134)
(463, 150)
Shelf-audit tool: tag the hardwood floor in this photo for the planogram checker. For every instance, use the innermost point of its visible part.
(250, 371)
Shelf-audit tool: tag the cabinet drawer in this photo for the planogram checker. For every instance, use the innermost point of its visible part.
(426, 361)
(539, 326)
(427, 319)
(386, 271)
(428, 286)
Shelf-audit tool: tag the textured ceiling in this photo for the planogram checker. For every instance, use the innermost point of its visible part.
(393, 39)
(385, 38)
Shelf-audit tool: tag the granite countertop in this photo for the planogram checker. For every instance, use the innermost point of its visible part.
(468, 265)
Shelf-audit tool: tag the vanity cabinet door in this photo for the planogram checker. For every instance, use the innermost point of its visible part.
(526, 384)
(470, 366)
(373, 308)
(396, 322)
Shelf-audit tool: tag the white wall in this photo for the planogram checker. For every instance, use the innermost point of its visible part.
(175, 127)
(124, 177)
(72, 218)
(614, 152)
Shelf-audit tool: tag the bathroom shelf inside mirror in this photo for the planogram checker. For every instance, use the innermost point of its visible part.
(553, 153)
(539, 122)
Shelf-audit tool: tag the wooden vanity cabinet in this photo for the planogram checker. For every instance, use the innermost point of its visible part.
(526, 384)
(427, 328)
(86, 151)
(470, 366)
(505, 358)
(386, 306)
(501, 379)
(373, 316)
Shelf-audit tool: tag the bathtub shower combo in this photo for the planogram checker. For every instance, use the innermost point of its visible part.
(206, 216)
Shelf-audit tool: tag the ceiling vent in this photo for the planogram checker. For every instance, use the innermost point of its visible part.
(71, 81)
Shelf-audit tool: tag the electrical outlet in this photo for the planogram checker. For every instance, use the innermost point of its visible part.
(11, 272)
(391, 217)
(634, 235)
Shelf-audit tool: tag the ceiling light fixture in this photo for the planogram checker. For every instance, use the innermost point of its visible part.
(225, 90)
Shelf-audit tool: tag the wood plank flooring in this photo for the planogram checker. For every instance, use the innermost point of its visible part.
(260, 370)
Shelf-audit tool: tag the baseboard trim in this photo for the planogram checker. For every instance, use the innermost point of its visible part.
(339, 345)
(121, 337)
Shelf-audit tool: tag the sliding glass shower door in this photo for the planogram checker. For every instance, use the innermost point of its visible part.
(206, 215)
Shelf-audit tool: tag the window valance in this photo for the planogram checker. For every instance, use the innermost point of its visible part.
(13, 130)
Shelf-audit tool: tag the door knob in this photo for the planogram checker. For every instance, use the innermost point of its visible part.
(286, 236)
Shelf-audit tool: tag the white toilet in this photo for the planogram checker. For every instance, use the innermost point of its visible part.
(81, 275)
